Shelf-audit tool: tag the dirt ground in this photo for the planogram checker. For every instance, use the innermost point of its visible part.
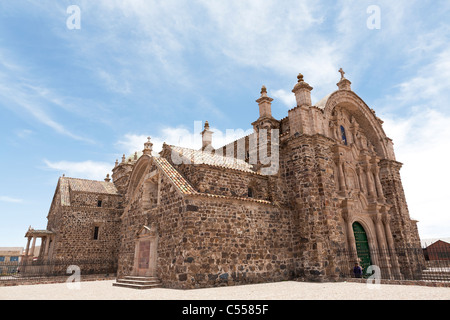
(288, 290)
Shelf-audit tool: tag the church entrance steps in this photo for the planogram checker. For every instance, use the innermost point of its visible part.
(136, 282)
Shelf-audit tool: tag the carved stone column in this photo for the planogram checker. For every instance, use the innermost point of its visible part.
(348, 220)
(28, 247)
(391, 246)
(33, 246)
(383, 253)
(370, 184)
(359, 172)
(376, 173)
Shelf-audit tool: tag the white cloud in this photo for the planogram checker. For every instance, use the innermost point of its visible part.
(422, 144)
(85, 169)
(179, 136)
(287, 98)
(10, 199)
(430, 85)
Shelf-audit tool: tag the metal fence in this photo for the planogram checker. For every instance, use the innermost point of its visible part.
(403, 264)
(429, 264)
(40, 269)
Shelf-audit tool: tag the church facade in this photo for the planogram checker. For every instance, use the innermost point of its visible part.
(284, 202)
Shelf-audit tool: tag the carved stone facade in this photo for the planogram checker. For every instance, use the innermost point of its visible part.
(278, 204)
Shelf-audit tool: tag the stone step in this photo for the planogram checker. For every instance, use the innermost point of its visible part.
(137, 286)
(143, 282)
(140, 278)
(136, 282)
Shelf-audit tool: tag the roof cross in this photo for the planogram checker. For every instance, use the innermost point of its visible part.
(342, 73)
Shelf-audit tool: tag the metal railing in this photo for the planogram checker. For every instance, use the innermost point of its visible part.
(44, 269)
(403, 264)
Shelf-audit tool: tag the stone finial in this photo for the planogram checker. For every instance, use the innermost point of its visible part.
(265, 104)
(263, 91)
(148, 147)
(343, 84)
(135, 156)
(206, 137)
(116, 163)
(123, 158)
(107, 179)
(302, 91)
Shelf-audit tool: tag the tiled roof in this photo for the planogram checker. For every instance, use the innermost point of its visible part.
(83, 185)
(177, 179)
(185, 187)
(33, 232)
(201, 157)
(209, 195)
(92, 186)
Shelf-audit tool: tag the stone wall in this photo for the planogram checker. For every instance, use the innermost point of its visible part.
(308, 173)
(75, 235)
(404, 229)
(219, 181)
(75, 223)
(205, 242)
(168, 219)
(229, 242)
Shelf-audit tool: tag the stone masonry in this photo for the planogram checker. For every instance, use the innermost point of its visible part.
(211, 217)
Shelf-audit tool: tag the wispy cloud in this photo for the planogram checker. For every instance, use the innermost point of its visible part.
(10, 199)
(23, 94)
(84, 169)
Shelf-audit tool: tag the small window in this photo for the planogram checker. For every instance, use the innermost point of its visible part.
(2, 259)
(96, 233)
(99, 203)
(14, 259)
(250, 192)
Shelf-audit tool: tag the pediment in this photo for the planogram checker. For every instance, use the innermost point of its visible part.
(146, 231)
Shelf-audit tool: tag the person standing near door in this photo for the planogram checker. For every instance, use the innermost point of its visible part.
(357, 271)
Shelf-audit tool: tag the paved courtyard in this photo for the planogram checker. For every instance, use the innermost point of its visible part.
(289, 290)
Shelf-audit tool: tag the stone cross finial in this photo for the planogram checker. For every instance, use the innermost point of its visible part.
(341, 71)
(344, 84)
(148, 146)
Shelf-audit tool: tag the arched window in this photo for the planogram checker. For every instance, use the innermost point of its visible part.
(343, 135)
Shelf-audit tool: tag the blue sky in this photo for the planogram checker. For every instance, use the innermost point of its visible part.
(73, 101)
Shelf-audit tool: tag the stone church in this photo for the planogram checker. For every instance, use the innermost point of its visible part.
(331, 193)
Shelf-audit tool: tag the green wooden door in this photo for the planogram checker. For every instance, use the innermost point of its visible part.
(362, 246)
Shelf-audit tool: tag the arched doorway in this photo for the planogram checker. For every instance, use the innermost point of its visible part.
(362, 246)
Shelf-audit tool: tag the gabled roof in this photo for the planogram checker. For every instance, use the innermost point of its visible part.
(177, 179)
(83, 185)
(427, 242)
(192, 156)
(186, 188)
